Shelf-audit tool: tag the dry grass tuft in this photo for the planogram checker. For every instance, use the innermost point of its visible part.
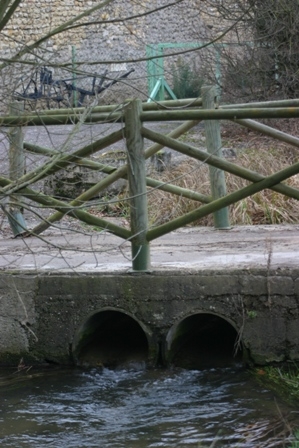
(266, 207)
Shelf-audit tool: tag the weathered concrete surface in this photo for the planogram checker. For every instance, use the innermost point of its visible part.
(248, 276)
(191, 249)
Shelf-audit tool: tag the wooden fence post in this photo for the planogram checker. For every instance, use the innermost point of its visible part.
(16, 170)
(214, 147)
(137, 187)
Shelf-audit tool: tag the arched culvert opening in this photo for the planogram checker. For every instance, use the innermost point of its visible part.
(202, 341)
(112, 338)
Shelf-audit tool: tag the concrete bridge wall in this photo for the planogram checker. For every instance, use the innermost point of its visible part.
(64, 317)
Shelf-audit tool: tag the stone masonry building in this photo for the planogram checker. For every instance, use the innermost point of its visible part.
(116, 36)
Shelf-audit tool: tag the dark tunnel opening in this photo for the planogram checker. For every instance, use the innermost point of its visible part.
(203, 341)
(111, 339)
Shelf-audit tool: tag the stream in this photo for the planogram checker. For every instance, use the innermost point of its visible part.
(137, 408)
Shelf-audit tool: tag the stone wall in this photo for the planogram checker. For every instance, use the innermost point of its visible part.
(35, 18)
(108, 42)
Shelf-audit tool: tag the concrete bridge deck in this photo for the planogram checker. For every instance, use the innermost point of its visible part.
(72, 298)
(192, 249)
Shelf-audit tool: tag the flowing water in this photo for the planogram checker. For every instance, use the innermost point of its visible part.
(136, 407)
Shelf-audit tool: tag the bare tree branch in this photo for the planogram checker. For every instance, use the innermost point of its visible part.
(6, 14)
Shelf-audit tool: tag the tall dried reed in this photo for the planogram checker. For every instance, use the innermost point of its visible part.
(266, 207)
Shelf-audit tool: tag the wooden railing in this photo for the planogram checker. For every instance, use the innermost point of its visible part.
(134, 114)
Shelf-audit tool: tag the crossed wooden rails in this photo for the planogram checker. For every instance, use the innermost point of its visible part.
(133, 114)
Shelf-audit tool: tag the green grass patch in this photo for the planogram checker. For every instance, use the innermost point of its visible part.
(283, 380)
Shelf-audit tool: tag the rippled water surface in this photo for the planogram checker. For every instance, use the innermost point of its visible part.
(133, 408)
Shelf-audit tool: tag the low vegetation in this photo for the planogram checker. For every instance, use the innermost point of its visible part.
(266, 207)
(254, 152)
(284, 381)
(186, 81)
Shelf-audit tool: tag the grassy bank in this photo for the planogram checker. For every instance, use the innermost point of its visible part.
(284, 381)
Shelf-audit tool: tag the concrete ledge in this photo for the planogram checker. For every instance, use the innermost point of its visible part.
(42, 309)
(192, 249)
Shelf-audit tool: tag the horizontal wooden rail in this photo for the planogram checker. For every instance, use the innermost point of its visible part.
(159, 115)
(220, 114)
(169, 104)
(97, 114)
(262, 104)
(58, 120)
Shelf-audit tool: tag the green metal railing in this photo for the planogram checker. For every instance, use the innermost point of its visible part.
(157, 84)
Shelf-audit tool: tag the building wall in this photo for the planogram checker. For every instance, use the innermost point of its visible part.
(104, 43)
(34, 18)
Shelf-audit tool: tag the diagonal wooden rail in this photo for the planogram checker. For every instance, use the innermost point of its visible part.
(133, 114)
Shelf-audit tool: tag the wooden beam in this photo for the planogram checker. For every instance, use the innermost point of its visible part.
(137, 187)
(197, 154)
(16, 171)
(214, 147)
(204, 210)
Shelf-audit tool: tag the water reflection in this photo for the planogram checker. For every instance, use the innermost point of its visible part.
(134, 408)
